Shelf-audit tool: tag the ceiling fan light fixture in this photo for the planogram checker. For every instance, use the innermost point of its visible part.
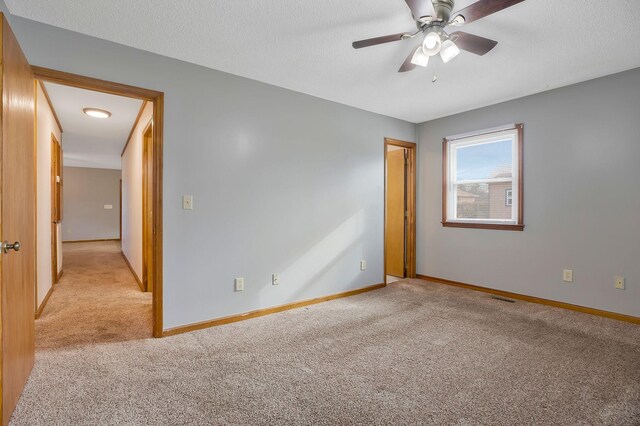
(449, 51)
(420, 58)
(432, 43)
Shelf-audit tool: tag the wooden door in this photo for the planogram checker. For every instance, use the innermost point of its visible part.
(17, 215)
(396, 207)
(147, 210)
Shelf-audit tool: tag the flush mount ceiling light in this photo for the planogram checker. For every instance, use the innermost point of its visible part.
(431, 18)
(96, 112)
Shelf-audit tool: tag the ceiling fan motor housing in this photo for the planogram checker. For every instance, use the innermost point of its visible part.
(443, 9)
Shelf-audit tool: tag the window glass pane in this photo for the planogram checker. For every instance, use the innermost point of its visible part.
(472, 201)
(484, 161)
(483, 201)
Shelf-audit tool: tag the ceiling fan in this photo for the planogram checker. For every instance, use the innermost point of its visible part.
(432, 17)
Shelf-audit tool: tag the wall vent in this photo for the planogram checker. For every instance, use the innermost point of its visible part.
(503, 299)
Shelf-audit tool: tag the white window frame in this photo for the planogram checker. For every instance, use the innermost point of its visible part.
(451, 145)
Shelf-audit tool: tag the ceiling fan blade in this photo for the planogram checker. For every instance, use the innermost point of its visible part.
(377, 40)
(420, 8)
(407, 65)
(483, 8)
(473, 43)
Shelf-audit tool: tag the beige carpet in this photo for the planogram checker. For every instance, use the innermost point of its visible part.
(411, 353)
(97, 300)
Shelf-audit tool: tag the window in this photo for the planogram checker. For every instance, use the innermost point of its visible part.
(482, 180)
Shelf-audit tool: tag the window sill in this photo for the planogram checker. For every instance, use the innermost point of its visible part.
(499, 226)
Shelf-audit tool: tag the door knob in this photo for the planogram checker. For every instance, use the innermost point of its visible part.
(5, 246)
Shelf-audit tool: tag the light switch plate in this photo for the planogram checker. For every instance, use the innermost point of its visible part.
(275, 279)
(619, 283)
(108, 207)
(567, 275)
(239, 284)
(363, 265)
(187, 202)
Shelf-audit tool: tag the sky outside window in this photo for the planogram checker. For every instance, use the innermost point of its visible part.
(485, 161)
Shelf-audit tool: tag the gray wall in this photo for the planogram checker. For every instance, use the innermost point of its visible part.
(581, 198)
(86, 192)
(282, 182)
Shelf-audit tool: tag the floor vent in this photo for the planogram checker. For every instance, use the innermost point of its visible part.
(503, 299)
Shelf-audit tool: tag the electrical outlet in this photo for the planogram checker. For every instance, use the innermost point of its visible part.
(239, 284)
(275, 279)
(187, 202)
(567, 275)
(363, 265)
(620, 283)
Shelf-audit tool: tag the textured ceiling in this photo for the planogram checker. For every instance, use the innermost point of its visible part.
(88, 141)
(305, 45)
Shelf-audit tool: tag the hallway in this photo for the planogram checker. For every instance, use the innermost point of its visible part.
(97, 300)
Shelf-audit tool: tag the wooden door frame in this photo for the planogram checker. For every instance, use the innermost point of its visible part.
(147, 151)
(56, 201)
(103, 86)
(120, 237)
(411, 206)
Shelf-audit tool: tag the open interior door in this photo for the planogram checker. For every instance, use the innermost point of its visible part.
(17, 221)
(396, 208)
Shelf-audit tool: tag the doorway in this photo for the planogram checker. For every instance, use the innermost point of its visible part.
(399, 208)
(99, 298)
(152, 189)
